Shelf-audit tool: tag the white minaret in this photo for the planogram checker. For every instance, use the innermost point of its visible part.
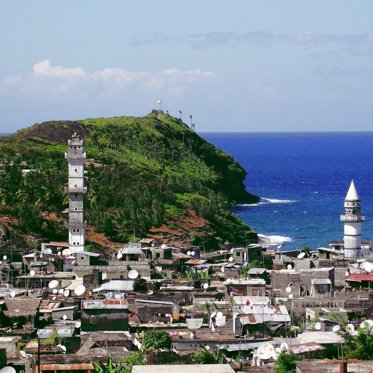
(75, 157)
(352, 223)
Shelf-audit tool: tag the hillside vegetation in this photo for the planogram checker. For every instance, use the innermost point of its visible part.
(146, 176)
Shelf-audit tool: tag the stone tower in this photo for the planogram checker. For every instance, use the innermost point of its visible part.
(75, 156)
(352, 223)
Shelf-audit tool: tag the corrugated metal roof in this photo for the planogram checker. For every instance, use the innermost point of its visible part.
(116, 285)
(360, 277)
(195, 261)
(84, 366)
(180, 256)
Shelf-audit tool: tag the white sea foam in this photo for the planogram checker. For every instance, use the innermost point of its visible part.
(273, 242)
(273, 200)
(266, 201)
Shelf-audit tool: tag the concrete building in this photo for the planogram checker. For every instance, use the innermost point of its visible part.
(76, 189)
(352, 220)
(110, 314)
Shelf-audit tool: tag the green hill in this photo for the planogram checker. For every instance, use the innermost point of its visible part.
(150, 175)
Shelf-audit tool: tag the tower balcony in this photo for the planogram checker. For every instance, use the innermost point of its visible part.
(75, 190)
(352, 218)
(75, 155)
(75, 224)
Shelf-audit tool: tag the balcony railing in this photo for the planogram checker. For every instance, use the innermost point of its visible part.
(75, 224)
(75, 155)
(75, 189)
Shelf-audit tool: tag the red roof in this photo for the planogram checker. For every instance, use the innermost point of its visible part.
(360, 277)
(62, 244)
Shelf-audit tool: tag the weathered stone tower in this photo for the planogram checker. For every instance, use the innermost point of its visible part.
(352, 223)
(75, 157)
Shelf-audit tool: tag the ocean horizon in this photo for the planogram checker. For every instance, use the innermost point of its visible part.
(302, 179)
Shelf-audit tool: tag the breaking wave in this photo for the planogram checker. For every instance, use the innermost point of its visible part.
(267, 201)
(273, 242)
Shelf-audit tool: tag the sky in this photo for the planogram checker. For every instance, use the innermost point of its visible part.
(233, 65)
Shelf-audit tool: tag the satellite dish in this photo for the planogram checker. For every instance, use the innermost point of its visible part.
(12, 294)
(205, 285)
(220, 320)
(336, 328)
(193, 253)
(5, 257)
(53, 284)
(150, 292)
(62, 347)
(301, 255)
(350, 328)
(60, 291)
(291, 296)
(64, 317)
(163, 246)
(318, 326)
(194, 324)
(189, 253)
(265, 351)
(23, 354)
(54, 298)
(222, 269)
(8, 370)
(231, 259)
(366, 324)
(78, 324)
(119, 255)
(55, 291)
(284, 347)
(133, 274)
(66, 252)
(288, 289)
(32, 273)
(219, 314)
(289, 266)
(66, 293)
(48, 251)
(207, 348)
(79, 290)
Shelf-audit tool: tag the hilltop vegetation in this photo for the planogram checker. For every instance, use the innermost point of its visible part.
(146, 176)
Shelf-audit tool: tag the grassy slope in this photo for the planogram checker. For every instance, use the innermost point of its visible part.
(155, 176)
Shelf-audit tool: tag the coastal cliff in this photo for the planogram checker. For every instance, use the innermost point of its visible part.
(146, 176)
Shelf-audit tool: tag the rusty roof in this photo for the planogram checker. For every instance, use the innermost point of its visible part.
(21, 306)
(80, 366)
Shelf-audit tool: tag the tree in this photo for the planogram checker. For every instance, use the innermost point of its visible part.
(204, 356)
(156, 340)
(286, 362)
(360, 346)
(123, 365)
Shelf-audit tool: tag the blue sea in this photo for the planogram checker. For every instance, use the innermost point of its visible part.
(302, 179)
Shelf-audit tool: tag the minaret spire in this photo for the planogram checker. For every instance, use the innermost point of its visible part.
(76, 189)
(352, 219)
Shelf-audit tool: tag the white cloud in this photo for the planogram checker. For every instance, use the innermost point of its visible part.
(45, 68)
(47, 79)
